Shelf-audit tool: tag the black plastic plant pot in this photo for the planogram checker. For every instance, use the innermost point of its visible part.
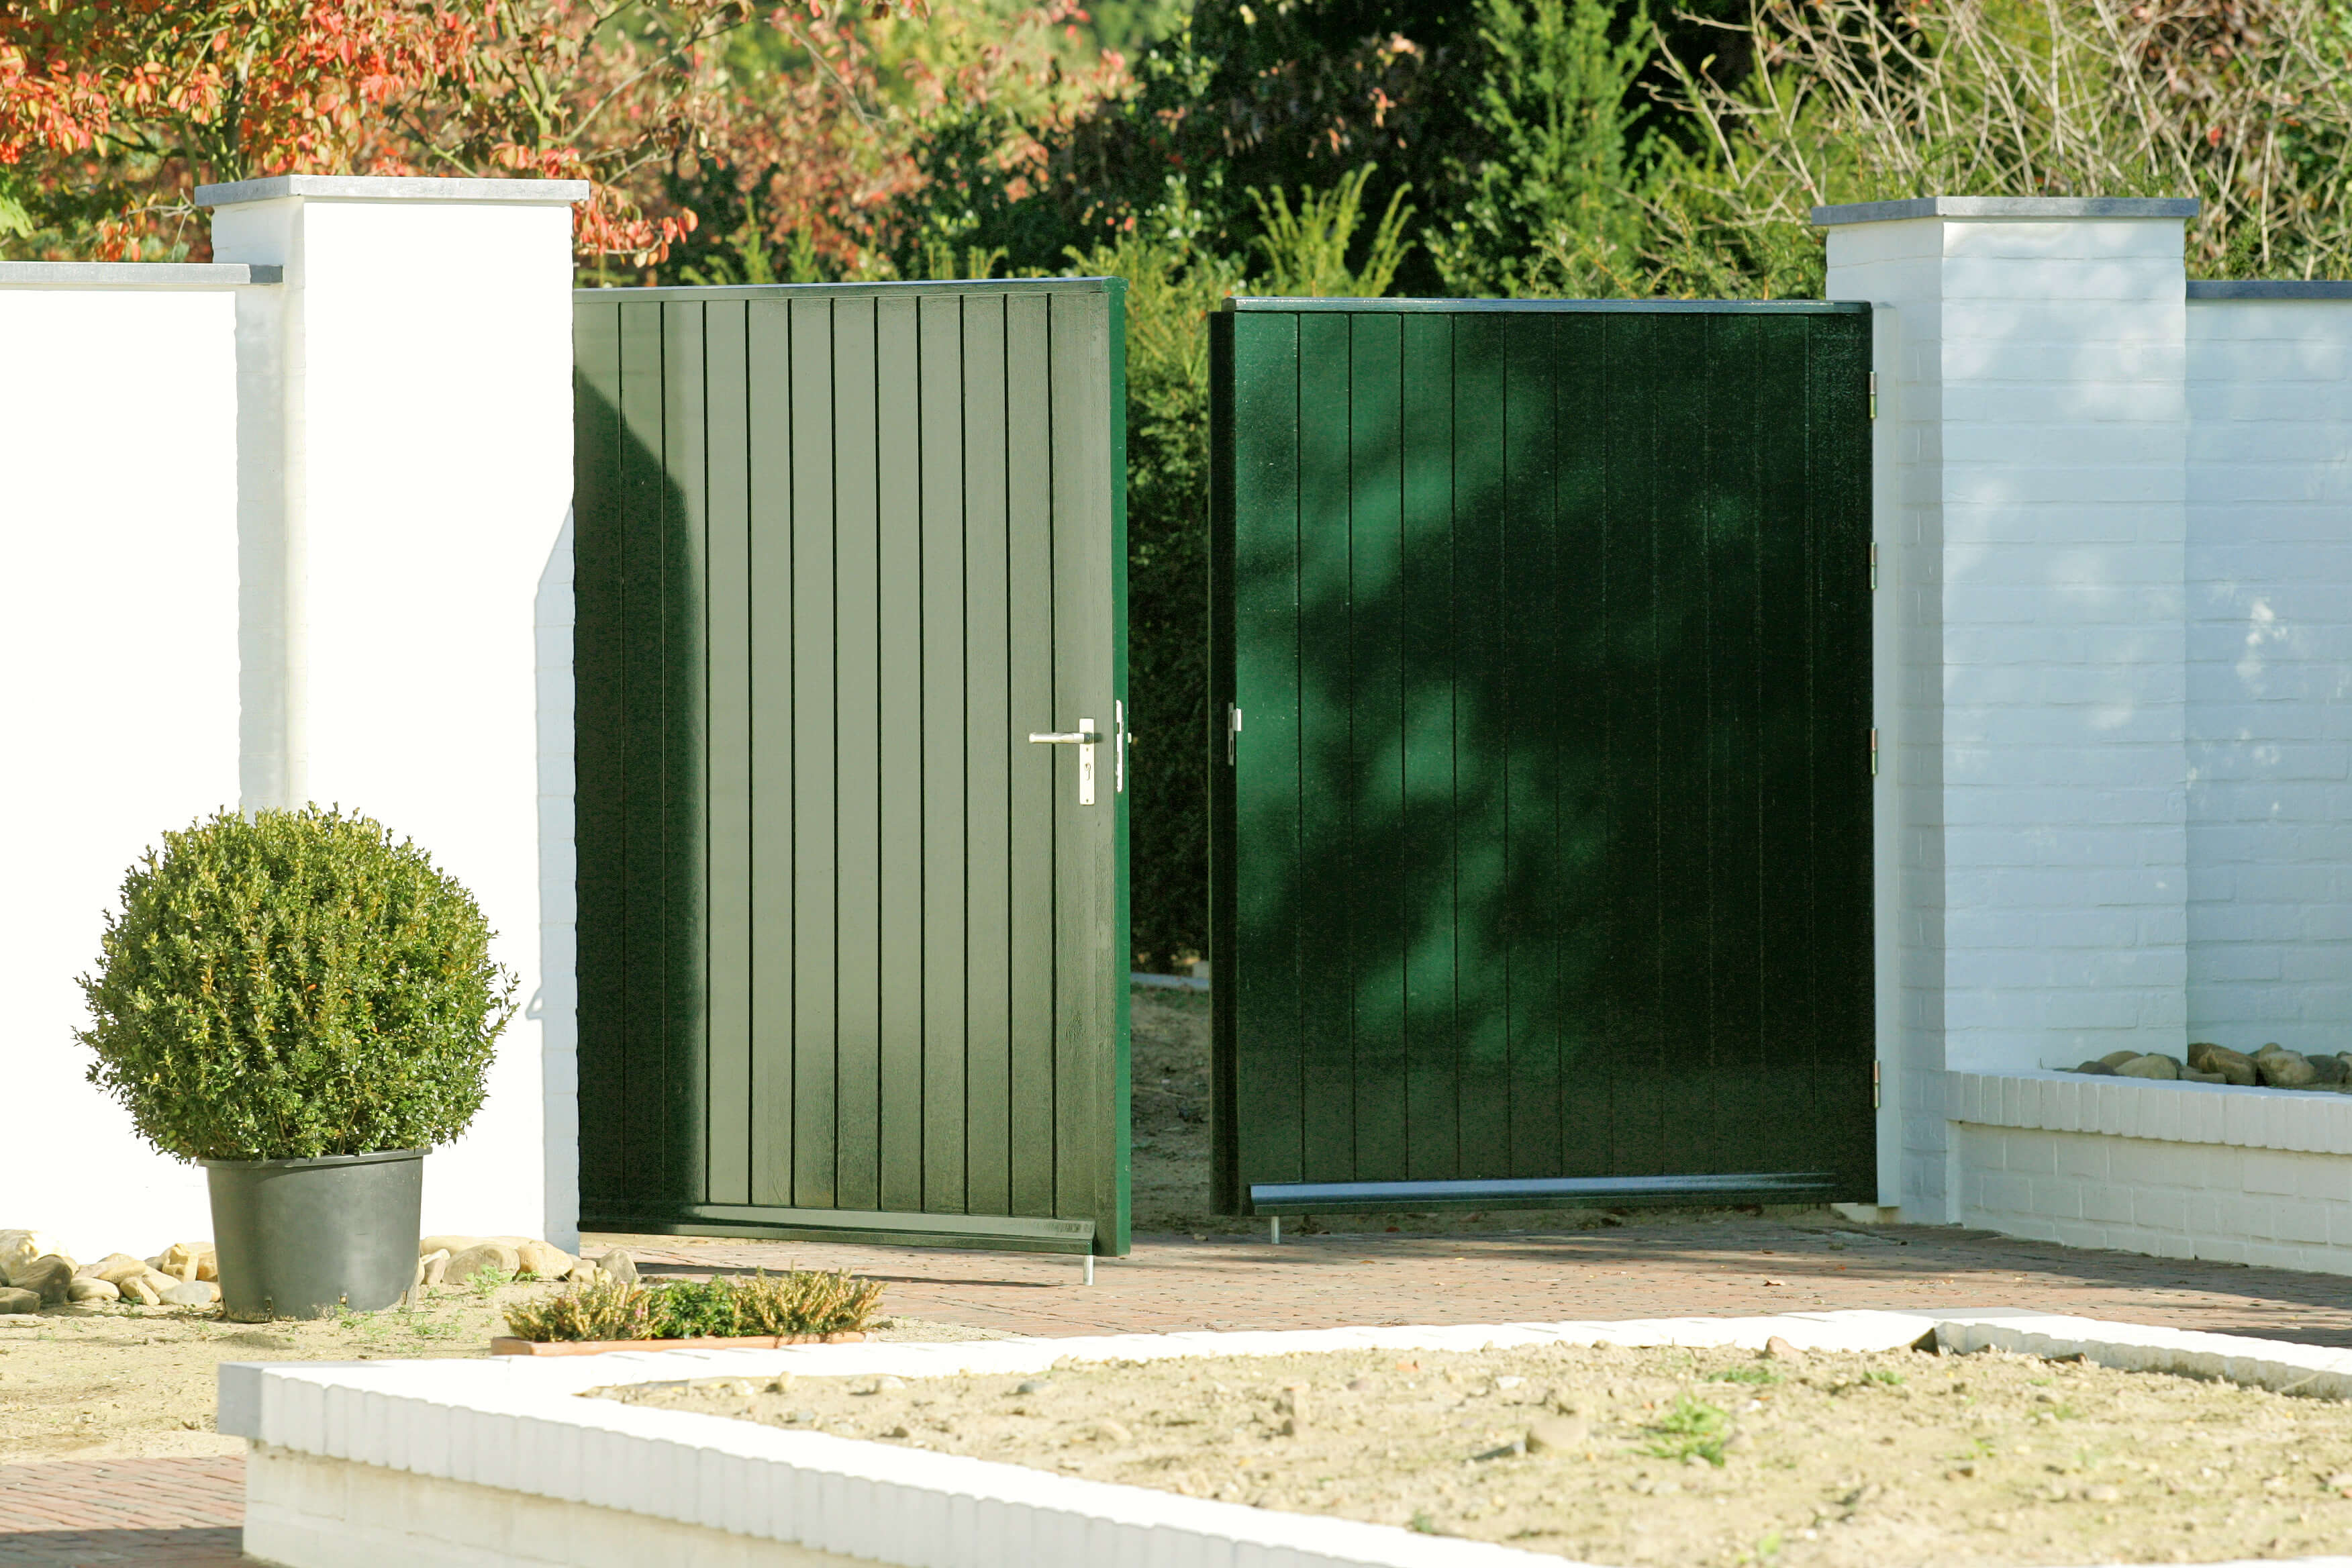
(297, 1238)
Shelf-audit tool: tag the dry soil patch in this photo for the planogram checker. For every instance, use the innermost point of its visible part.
(118, 1383)
(1855, 1461)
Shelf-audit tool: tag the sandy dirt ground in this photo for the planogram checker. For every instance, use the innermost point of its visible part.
(122, 1383)
(1658, 1457)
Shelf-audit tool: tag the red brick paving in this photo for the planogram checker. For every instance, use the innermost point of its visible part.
(183, 1513)
(1734, 1266)
(157, 1513)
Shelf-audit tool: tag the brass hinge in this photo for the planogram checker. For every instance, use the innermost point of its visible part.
(1873, 566)
(1873, 1086)
(1873, 753)
(1233, 733)
(1874, 395)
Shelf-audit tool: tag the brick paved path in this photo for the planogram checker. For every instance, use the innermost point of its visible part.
(1668, 1269)
(157, 1513)
(182, 1513)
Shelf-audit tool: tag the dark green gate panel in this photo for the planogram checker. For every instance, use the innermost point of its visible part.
(1540, 822)
(852, 952)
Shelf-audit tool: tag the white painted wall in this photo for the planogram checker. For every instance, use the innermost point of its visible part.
(2035, 533)
(424, 375)
(117, 632)
(305, 539)
(2269, 673)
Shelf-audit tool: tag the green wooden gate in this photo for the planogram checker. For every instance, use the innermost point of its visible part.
(1540, 820)
(853, 930)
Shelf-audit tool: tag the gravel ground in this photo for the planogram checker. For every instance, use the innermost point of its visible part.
(1664, 1457)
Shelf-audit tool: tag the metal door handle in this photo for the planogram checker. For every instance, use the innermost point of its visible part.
(1085, 740)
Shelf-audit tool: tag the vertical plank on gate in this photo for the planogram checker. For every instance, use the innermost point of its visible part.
(602, 718)
(727, 1108)
(898, 752)
(1426, 659)
(857, 724)
(1781, 1099)
(1090, 962)
(1482, 748)
(942, 731)
(1734, 440)
(1267, 769)
(1837, 488)
(1530, 780)
(1380, 895)
(1681, 385)
(685, 804)
(1638, 450)
(989, 725)
(1581, 914)
(769, 602)
(1039, 774)
(1327, 1067)
(815, 853)
(644, 658)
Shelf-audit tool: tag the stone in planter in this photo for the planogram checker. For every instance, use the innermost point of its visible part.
(192, 1294)
(493, 1255)
(619, 1264)
(48, 1276)
(12, 1301)
(114, 1269)
(2329, 1070)
(431, 1270)
(2150, 1066)
(2282, 1068)
(2096, 1069)
(2190, 1075)
(2235, 1066)
(85, 1291)
(546, 1260)
(2117, 1059)
(137, 1290)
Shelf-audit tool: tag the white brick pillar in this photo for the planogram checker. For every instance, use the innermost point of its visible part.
(405, 454)
(2032, 686)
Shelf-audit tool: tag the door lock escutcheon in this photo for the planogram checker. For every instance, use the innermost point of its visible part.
(1085, 740)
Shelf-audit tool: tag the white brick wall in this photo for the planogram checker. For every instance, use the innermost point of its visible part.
(2032, 544)
(2270, 668)
(2239, 1176)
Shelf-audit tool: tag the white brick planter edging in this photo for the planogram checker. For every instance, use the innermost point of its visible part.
(2297, 1119)
(475, 1464)
(2172, 1169)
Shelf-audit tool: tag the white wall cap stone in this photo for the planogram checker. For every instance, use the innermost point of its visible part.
(2165, 1111)
(915, 1508)
(2270, 289)
(2057, 208)
(96, 275)
(390, 188)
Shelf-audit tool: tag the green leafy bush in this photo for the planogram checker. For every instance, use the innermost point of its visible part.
(803, 1302)
(294, 985)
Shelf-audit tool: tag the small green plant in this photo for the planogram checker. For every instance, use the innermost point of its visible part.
(1421, 1522)
(486, 1282)
(1306, 250)
(292, 985)
(602, 1308)
(803, 1302)
(1880, 1375)
(1691, 1427)
(1755, 1374)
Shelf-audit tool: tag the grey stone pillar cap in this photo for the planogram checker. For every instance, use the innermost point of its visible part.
(2047, 207)
(391, 188)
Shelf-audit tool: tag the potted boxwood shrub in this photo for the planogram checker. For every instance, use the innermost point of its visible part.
(304, 1006)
